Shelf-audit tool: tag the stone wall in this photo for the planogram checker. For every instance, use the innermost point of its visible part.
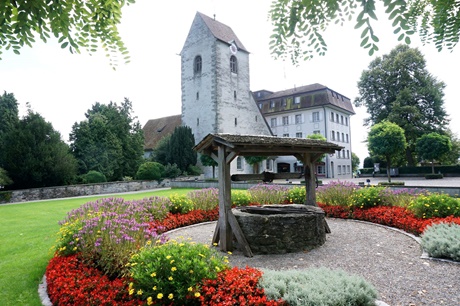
(36, 194)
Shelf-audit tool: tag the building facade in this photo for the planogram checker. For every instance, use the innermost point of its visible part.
(303, 111)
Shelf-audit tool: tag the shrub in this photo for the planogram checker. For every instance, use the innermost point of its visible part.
(158, 207)
(110, 231)
(268, 194)
(150, 171)
(400, 197)
(435, 205)
(367, 197)
(442, 240)
(241, 198)
(5, 196)
(194, 170)
(180, 204)
(235, 287)
(94, 177)
(204, 199)
(391, 183)
(171, 272)
(433, 176)
(336, 193)
(66, 243)
(171, 171)
(320, 286)
(296, 195)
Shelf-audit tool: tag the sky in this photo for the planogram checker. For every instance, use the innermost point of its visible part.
(62, 87)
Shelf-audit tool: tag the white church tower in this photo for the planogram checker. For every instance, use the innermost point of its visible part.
(216, 96)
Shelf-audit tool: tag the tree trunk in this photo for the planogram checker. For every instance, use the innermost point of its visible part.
(388, 170)
(409, 158)
(432, 166)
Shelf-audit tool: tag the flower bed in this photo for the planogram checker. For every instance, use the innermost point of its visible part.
(86, 271)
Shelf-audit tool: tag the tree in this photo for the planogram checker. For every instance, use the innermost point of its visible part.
(75, 24)
(4, 178)
(179, 148)
(110, 141)
(298, 25)
(150, 171)
(453, 157)
(9, 112)
(208, 161)
(386, 139)
(432, 146)
(254, 161)
(397, 87)
(354, 161)
(36, 156)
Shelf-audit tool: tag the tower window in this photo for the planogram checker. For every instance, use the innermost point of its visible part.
(197, 95)
(197, 65)
(234, 94)
(197, 121)
(236, 121)
(233, 64)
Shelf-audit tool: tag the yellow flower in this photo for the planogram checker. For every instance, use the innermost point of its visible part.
(173, 269)
(149, 300)
(153, 274)
(168, 257)
(139, 292)
(131, 291)
(230, 253)
(170, 278)
(190, 289)
(154, 288)
(159, 296)
(197, 294)
(170, 296)
(191, 271)
(171, 262)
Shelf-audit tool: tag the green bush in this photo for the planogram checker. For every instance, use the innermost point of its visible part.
(435, 205)
(171, 272)
(194, 170)
(433, 176)
(442, 241)
(151, 171)
(391, 183)
(171, 171)
(367, 197)
(94, 177)
(159, 207)
(320, 286)
(296, 195)
(241, 198)
(204, 199)
(180, 204)
(336, 193)
(5, 196)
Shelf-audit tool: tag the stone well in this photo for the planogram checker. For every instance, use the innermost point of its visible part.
(279, 229)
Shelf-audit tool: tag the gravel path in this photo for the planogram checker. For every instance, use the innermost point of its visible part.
(387, 258)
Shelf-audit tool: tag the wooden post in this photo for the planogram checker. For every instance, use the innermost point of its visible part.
(224, 231)
(309, 171)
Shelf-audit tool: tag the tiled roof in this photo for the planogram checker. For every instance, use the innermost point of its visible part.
(156, 129)
(295, 90)
(221, 31)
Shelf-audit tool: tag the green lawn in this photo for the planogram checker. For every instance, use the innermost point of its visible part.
(27, 235)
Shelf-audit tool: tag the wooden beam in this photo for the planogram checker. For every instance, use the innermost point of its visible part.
(239, 235)
(225, 232)
(266, 176)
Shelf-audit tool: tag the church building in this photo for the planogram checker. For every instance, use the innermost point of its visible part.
(216, 98)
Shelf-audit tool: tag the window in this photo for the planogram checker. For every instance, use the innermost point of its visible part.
(339, 169)
(317, 132)
(197, 95)
(297, 100)
(337, 118)
(348, 169)
(341, 119)
(298, 135)
(233, 64)
(332, 135)
(285, 120)
(285, 135)
(273, 122)
(346, 121)
(256, 118)
(239, 163)
(260, 105)
(234, 94)
(346, 138)
(343, 137)
(320, 169)
(338, 154)
(197, 64)
(348, 153)
(315, 116)
(272, 104)
(332, 116)
(268, 164)
(298, 119)
(338, 136)
(197, 121)
(283, 102)
(236, 121)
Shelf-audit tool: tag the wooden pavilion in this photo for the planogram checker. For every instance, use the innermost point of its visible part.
(224, 148)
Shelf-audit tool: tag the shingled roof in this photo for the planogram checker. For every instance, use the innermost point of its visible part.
(156, 129)
(221, 31)
(259, 145)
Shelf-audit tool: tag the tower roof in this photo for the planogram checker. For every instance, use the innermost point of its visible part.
(221, 31)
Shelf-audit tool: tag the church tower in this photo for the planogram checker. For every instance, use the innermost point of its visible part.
(216, 96)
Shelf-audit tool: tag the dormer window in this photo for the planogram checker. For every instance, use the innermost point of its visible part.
(233, 64)
(197, 65)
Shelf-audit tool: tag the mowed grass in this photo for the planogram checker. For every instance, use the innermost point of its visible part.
(28, 232)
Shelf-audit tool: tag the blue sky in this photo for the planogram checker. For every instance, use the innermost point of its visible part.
(62, 87)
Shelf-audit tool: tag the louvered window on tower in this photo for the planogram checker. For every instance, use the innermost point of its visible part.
(233, 64)
(197, 65)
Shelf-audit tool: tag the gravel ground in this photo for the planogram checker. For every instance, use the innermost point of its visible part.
(387, 258)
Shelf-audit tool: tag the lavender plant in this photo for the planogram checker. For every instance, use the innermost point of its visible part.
(442, 240)
(268, 194)
(205, 199)
(336, 193)
(400, 197)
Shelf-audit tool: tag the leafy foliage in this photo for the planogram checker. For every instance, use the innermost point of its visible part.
(208, 161)
(268, 194)
(386, 139)
(296, 195)
(93, 177)
(254, 161)
(110, 141)
(433, 146)
(75, 24)
(298, 25)
(442, 240)
(355, 161)
(204, 199)
(4, 178)
(435, 205)
(150, 171)
(320, 286)
(397, 87)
